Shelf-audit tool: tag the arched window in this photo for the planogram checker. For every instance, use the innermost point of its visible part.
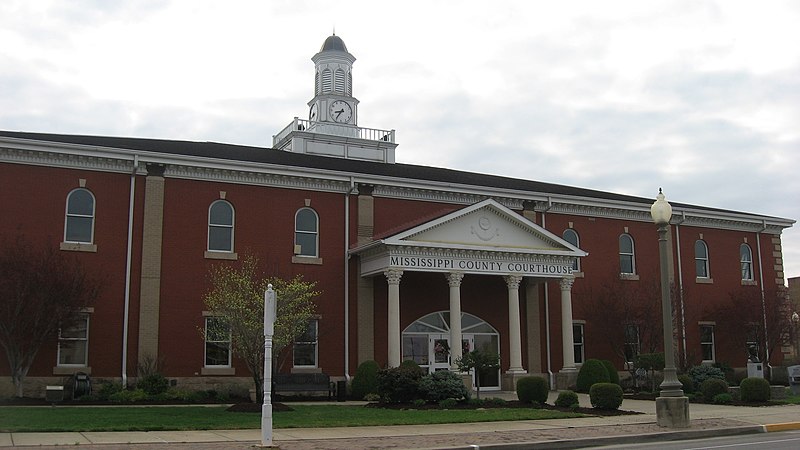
(306, 234)
(220, 226)
(627, 260)
(746, 258)
(701, 259)
(79, 222)
(571, 236)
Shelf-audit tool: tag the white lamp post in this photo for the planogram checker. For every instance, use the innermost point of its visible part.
(269, 331)
(672, 407)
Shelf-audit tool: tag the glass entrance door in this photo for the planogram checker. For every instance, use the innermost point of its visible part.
(440, 352)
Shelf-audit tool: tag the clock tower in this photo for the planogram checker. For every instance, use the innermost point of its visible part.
(333, 85)
(332, 125)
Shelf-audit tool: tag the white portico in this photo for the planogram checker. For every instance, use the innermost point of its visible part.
(485, 238)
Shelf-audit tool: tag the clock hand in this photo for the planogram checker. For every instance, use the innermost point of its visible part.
(339, 113)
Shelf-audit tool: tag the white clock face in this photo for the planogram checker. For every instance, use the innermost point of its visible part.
(312, 113)
(341, 111)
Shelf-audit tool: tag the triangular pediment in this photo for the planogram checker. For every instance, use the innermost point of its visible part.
(485, 226)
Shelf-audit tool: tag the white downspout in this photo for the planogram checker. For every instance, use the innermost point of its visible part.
(761, 282)
(680, 283)
(352, 190)
(128, 272)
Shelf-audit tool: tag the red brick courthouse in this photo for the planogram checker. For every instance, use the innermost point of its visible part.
(414, 262)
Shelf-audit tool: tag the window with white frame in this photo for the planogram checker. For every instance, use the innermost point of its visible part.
(218, 342)
(73, 342)
(220, 226)
(571, 236)
(701, 259)
(79, 221)
(632, 342)
(306, 232)
(707, 342)
(627, 260)
(578, 340)
(746, 259)
(305, 347)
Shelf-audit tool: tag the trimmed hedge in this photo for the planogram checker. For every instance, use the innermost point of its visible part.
(532, 389)
(755, 390)
(687, 382)
(567, 399)
(605, 396)
(365, 380)
(399, 384)
(701, 373)
(592, 371)
(712, 387)
(613, 375)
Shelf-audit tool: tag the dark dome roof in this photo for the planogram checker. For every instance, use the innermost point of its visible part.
(333, 43)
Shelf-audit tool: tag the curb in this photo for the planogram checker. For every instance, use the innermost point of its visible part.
(623, 439)
(787, 426)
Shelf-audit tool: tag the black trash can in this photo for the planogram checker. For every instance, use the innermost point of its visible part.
(341, 391)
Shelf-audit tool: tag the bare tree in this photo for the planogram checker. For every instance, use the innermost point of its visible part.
(237, 299)
(41, 290)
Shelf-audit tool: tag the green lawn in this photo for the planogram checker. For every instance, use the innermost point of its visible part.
(129, 418)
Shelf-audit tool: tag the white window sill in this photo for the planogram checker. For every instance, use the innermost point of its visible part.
(306, 260)
(704, 280)
(629, 276)
(217, 371)
(231, 256)
(71, 370)
(78, 247)
(306, 370)
(749, 283)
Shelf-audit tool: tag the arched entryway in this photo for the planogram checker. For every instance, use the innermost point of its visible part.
(427, 342)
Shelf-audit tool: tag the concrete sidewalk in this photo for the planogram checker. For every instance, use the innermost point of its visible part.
(707, 420)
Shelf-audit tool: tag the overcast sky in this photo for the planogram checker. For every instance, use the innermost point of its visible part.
(701, 98)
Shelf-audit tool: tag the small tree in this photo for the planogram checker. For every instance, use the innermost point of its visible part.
(481, 361)
(41, 290)
(237, 298)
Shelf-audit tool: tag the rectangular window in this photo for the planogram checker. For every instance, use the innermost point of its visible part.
(218, 343)
(73, 343)
(707, 342)
(577, 338)
(631, 342)
(305, 347)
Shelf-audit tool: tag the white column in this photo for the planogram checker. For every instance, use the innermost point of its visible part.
(454, 280)
(393, 336)
(514, 334)
(568, 346)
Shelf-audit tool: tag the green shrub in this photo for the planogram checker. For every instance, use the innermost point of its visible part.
(448, 403)
(650, 361)
(712, 387)
(108, 389)
(613, 375)
(532, 389)
(688, 384)
(153, 384)
(755, 390)
(477, 402)
(136, 395)
(701, 373)
(410, 364)
(567, 399)
(365, 380)
(592, 371)
(399, 384)
(419, 402)
(372, 397)
(442, 384)
(605, 396)
(722, 399)
(497, 401)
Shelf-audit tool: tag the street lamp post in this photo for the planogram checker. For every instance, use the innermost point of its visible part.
(672, 407)
(796, 322)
